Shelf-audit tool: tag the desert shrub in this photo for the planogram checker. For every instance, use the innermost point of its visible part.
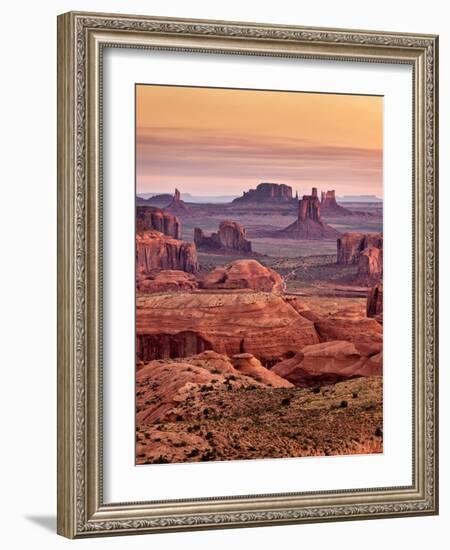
(379, 432)
(316, 389)
(161, 460)
(285, 401)
(343, 404)
(355, 395)
(194, 452)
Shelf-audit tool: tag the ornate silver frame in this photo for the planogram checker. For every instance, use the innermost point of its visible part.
(81, 38)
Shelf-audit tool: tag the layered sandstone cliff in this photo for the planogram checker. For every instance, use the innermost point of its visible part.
(154, 250)
(351, 245)
(150, 217)
(178, 325)
(364, 250)
(230, 236)
(166, 280)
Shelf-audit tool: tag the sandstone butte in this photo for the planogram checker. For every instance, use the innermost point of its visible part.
(177, 206)
(231, 236)
(309, 223)
(152, 218)
(244, 274)
(330, 208)
(267, 192)
(157, 251)
(183, 324)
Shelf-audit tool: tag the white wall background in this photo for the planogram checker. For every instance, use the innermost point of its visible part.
(28, 272)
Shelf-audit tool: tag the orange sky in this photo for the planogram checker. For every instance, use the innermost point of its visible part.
(209, 141)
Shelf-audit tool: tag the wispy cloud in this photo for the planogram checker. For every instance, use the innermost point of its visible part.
(178, 155)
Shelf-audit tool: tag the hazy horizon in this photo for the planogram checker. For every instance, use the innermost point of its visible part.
(216, 142)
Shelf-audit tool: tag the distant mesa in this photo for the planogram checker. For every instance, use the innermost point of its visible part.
(267, 192)
(152, 218)
(244, 274)
(364, 250)
(330, 208)
(154, 251)
(161, 201)
(177, 206)
(309, 223)
(231, 236)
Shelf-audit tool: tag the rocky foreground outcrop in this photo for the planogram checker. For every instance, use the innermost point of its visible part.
(266, 193)
(309, 223)
(230, 323)
(154, 250)
(327, 363)
(152, 218)
(204, 408)
(166, 280)
(244, 274)
(175, 378)
(230, 237)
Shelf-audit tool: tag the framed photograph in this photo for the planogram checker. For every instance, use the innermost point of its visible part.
(247, 287)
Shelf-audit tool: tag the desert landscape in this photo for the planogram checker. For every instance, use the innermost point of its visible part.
(259, 325)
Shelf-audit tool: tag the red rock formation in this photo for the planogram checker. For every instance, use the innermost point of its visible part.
(177, 206)
(263, 324)
(350, 246)
(328, 363)
(150, 217)
(231, 236)
(375, 302)
(366, 333)
(266, 192)
(330, 208)
(157, 251)
(162, 386)
(309, 224)
(167, 280)
(247, 364)
(370, 263)
(248, 274)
